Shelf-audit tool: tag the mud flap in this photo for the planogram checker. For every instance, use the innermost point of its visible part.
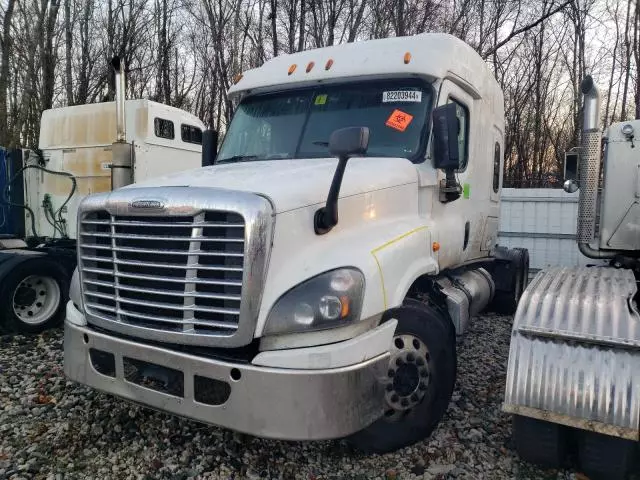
(575, 351)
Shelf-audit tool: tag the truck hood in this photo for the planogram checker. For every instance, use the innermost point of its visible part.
(291, 184)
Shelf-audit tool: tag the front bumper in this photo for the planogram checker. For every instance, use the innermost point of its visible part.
(267, 402)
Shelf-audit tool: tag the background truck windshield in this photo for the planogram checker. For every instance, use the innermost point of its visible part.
(298, 123)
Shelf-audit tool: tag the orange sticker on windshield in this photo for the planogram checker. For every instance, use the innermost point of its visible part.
(399, 120)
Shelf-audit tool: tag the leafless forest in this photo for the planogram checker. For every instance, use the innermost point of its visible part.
(186, 52)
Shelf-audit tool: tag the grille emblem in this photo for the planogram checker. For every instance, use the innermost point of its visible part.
(149, 204)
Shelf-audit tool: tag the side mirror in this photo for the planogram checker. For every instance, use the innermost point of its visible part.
(446, 127)
(349, 141)
(209, 147)
(571, 161)
(344, 144)
(570, 186)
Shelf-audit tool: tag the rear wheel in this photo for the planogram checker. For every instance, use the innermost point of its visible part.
(540, 442)
(605, 457)
(32, 296)
(420, 380)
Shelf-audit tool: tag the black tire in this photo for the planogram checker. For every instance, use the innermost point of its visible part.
(539, 442)
(12, 289)
(605, 457)
(505, 301)
(436, 331)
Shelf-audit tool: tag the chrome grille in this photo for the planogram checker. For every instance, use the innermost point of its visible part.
(181, 274)
(182, 265)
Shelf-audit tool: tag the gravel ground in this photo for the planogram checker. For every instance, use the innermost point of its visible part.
(54, 429)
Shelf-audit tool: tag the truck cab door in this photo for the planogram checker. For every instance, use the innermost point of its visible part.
(462, 221)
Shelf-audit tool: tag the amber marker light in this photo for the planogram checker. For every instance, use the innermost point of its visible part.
(344, 311)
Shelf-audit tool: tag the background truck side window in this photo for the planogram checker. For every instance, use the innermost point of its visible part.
(496, 168)
(463, 133)
(191, 134)
(163, 128)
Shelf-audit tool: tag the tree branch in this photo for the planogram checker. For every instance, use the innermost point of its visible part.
(523, 29)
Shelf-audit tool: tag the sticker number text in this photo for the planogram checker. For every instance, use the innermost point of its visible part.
(402, 96)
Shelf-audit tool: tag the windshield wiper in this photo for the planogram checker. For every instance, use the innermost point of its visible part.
(238, 158)
(321, 144)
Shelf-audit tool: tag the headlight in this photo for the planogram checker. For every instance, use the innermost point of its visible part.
(331, 299)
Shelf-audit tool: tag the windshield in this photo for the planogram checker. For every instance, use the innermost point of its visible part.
(298, 123)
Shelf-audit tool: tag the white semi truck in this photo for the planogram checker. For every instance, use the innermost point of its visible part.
(312, 283)
(82, 150)
(573, 378)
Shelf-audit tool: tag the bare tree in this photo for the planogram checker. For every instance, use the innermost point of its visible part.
(187, 53)
(88, 56)
(6, 43)
(68, 40)
(615, 15)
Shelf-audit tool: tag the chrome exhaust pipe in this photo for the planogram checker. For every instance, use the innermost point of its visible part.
(121, 120)
(589, 171)
(121, 151)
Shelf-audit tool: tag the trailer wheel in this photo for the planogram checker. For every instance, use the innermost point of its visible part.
(419, 383)
(605, 457)
(505, 301)
(539, 442)
(32, 296)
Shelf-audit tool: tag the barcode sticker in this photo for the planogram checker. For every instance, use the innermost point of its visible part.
(402, 96)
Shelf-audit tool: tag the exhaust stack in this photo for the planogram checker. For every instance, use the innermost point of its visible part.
(122, 154)
(121, 120)
(589, 170)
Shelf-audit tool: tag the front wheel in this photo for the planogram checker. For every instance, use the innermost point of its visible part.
(419, 383)
(32, 296)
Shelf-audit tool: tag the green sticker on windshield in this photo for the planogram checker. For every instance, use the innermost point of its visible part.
(321, 99)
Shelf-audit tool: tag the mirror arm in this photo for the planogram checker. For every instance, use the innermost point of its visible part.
(326, 217)
(450, 189)
(343, 143)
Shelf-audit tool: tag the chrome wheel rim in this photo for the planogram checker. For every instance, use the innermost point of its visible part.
(408, 377)
(36, 299)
